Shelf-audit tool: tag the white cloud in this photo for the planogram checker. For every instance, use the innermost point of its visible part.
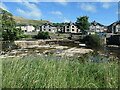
(106, 5)
(56, 13)
(3, 6)
(32, 12)
(106, 0)
(118, 12)
(88, 7)
(62, 2)
(66, 20)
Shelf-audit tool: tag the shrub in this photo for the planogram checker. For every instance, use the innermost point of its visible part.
(42, 35)
(92, 41)
(24, 36)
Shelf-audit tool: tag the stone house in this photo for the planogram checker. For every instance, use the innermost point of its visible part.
(47, 27)
(114, 28)
(97, 27)
(70, 28)
(26, 27)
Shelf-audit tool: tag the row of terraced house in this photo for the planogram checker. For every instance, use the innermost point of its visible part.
(95, 27)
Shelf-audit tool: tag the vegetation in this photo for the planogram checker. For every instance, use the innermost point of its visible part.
(21, 20)
(58, 24)
(24, 36)
(82, 23)
(54, 72)
(93, 41)
(9, 32)
(42, 35)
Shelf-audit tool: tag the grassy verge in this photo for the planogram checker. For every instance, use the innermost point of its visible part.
(53, 72)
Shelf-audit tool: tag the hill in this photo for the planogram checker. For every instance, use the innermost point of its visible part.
(21, 20)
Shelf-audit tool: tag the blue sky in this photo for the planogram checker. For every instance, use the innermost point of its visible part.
(102, 12)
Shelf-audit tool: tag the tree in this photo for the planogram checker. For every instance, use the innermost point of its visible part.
(36, 26)
(93, 41)
(9, 31)
(82, 23)
(42, 35)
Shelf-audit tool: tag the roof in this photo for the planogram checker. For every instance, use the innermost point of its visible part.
(90, 31)
(46, 24)
(115, 23)
(66, 24)
(96, 23)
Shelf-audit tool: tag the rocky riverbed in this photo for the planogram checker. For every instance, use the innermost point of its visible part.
(45, 50)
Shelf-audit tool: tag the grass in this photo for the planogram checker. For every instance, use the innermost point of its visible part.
(21, 20)
(54, 72)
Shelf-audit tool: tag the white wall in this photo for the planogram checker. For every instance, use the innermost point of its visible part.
(28, 28)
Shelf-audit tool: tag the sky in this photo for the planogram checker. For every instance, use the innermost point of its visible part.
(57, 12)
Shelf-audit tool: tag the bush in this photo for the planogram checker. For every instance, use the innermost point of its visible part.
(42, 35)
(92, 41)
(24, 36)
(9, 35)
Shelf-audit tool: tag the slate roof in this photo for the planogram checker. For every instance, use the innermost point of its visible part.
(115, 23)
(96, 23)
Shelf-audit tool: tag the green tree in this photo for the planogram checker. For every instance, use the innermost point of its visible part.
(93, 41)
(82, 23)
(9, 32)
(42, 35)
(36, 26)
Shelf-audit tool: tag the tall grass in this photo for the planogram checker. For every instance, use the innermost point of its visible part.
(54, 72)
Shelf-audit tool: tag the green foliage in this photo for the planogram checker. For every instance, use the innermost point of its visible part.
(9, 32)
(82, 23)
(24, 36)
(93, 41)
(58, 24)
(54, 72)
(42, 35)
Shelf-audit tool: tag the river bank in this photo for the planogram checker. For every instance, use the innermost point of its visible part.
(52, 47)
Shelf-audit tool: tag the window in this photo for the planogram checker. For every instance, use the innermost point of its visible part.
(72, 29)
(49, 29)
(44, 29)
(67, 29)
(67, 26)
(49, 26)
(77, 30)
(72, 26)
(118, 29)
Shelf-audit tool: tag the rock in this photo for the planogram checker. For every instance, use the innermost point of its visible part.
(73, 51)
(61, 47)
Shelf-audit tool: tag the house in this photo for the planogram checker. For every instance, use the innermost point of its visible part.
(47, 27)
(70, 28)
(96, 27)
(114, 28)
(60, 28)
(90, 32)
(26, 27)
